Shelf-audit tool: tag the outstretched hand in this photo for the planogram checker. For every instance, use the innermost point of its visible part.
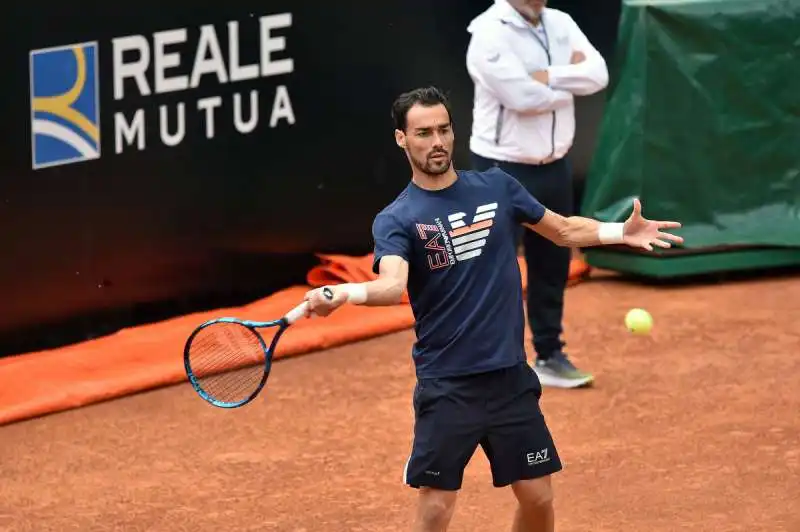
(639, 232)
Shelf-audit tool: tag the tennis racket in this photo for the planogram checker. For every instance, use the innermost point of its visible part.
(228, 360)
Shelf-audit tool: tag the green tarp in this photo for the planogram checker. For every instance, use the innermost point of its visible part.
(702, 121)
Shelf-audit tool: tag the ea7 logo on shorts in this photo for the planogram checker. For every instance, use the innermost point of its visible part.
(539, 457)
(468, 240)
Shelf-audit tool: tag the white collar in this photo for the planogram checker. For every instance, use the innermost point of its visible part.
(507, 13)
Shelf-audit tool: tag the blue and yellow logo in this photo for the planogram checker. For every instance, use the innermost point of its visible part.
(65, 105)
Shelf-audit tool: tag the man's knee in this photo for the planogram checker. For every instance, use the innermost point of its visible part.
(436, 508)
(535, 495)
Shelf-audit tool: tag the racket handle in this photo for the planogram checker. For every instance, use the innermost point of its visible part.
(297, 312)
(300, 310)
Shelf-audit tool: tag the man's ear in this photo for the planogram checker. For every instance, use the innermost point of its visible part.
(400, 138)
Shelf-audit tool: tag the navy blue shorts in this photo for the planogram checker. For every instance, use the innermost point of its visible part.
(498, 410)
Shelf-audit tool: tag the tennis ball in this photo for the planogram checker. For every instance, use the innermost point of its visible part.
(638, 321)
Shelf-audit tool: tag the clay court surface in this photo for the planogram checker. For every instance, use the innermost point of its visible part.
(696, 427)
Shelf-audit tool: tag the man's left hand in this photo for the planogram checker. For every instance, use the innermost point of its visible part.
(639, 232)
(542, 76)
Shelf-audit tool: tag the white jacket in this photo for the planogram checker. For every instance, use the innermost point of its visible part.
(516, 118)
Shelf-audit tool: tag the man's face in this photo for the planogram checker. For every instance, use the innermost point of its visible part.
(530, 9)
(428, 139)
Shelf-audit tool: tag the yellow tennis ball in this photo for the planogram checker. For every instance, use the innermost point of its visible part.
(638, 321)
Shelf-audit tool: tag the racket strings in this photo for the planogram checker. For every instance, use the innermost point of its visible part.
(227, 361)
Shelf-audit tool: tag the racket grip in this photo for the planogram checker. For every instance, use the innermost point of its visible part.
(300, 310)
(297, 312)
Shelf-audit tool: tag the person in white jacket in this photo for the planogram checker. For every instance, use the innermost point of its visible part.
(528, 62)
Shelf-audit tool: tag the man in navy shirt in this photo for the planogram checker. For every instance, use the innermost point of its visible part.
(449, 239)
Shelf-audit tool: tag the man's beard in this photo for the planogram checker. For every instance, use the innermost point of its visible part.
(432, 166)
(532, 16)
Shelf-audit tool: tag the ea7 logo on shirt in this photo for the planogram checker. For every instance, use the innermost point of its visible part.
(463, 242)
(468, 240)
(438, 249)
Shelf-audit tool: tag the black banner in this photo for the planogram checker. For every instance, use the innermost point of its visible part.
(159, 155)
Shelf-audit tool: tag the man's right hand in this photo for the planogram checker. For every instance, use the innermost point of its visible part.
(577, 57)
(319, 305)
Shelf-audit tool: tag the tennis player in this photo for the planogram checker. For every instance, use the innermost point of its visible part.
(449, 239)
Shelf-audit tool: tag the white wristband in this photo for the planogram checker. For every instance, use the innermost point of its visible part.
(356, 292)
(611, 233)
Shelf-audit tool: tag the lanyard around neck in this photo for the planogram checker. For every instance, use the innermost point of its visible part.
(546, 42)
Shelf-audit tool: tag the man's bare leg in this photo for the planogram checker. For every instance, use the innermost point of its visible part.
(535, 511)
(434, 510)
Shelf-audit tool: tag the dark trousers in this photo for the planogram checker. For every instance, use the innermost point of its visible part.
(548, 264)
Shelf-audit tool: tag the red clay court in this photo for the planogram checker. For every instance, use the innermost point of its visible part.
(692, 428)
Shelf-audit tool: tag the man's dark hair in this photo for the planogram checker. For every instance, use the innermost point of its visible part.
(426, 96)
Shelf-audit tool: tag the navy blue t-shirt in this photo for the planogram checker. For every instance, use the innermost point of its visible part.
(464, 281)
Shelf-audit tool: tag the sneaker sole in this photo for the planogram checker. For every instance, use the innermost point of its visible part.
(552, 381)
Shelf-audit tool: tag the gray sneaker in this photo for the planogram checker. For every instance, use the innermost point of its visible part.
(558, 372)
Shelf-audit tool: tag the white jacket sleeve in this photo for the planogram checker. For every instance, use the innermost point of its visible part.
(493, 64)
(584, 78)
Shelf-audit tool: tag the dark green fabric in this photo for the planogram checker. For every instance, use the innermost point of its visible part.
(702, 121)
